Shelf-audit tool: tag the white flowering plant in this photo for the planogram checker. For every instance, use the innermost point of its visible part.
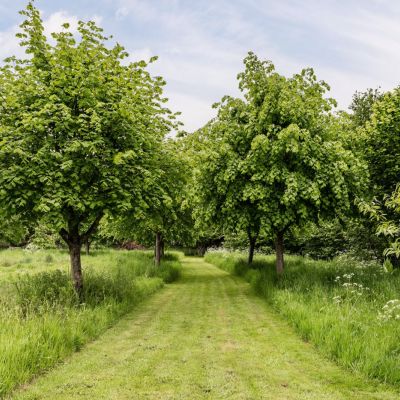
(353, 290)
(390, 311)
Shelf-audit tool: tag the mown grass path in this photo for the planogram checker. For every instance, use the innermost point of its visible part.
(204, 337)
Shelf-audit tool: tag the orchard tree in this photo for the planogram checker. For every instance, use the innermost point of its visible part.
(362, 105)
(279, 161)
(300, 168)
(78, 131)
(382, 139)
(383, 144)
(196, 234)
(166, 217)
(222, 181)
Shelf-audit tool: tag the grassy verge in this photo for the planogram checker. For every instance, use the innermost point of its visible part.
(41, 320)
(350, 311)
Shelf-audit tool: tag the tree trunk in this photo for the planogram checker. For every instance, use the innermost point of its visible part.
(76, 267)
(201, 250)
(252, 246)
(158, 249)
(162, 247)
(74, 240)
(87, 247)
(279, 253)
(251, 250)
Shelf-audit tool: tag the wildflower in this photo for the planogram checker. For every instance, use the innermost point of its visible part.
(337, 299)
(390, 311)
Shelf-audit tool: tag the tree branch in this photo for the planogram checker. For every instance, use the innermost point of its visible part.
(92, 227)
(64, 234)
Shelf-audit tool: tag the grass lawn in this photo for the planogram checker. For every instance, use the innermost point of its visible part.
(208, 336)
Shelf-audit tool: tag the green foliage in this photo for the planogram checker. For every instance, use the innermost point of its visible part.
(79, 129)
(362, 106)
(13, 231)
(343, 307)
(383, 144)
(165, 208)
(382, 149)
(386, 215)
(329, 238)
(44, 236)
(274, 159)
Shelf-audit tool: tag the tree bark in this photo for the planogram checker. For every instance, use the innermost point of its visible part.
(252, 246)
(87, 247)
(279, 253)
(76, 266)
(158, 249)
(251, 250)
(74, 241)
(162, 247)
(201, 250)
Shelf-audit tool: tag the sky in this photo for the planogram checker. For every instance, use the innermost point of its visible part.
(351, 44)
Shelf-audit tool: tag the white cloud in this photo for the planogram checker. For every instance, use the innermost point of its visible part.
(352, 45)
(140, 54)
(121, 12)
(9, 44)
(193, 109)
(55, 21)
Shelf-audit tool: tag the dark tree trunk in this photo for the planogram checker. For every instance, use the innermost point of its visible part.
(162, 247)
(87, 247)
(279, 253)
(252, 245)
(76, 266)
(74, 240)
(201, 250)
(158, 249)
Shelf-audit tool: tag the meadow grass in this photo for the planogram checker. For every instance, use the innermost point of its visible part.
(349, 310)
(41, 320)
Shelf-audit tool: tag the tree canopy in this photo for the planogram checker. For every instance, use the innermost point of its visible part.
(274, 159)
(79, 128)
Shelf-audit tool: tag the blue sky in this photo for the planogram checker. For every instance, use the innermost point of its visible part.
(351, 44)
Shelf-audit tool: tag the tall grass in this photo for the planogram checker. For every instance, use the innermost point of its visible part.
(41, 320)
(349, 310)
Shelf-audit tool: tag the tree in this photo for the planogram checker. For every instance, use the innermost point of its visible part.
(383, 144)
(362, 106)
(196, 234)
(382, 148)
(278, 160)
(221, 181)
(386, 216)
(78, 130)
(166, 216)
